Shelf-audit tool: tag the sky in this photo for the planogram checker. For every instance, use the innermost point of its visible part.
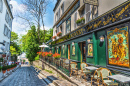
(20, 28)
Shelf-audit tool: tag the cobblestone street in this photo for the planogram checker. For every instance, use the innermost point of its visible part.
(23, 76)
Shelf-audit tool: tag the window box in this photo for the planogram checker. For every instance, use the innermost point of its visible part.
(59, 34)
(80, 21)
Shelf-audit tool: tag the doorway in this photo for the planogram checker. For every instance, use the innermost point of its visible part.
(69, 51)
(82, 54)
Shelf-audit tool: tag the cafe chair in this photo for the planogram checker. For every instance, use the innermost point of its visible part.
(104, 72)
(73, 68)
(96, 76)
(66, 63)
(84, 71)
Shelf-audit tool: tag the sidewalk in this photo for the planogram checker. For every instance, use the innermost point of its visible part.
(3, 76)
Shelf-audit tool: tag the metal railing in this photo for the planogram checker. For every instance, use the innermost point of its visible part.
(62, 64)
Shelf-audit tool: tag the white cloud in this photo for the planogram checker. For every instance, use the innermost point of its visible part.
(18, 7)
(46, 27)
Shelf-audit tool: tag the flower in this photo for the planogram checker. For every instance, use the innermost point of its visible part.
(44, 54)
(49, 54)
(56, 55)
(59, 33)
(54, 37)
(39, 53)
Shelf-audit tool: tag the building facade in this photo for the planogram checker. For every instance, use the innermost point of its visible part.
(97, 34)
(6, 19)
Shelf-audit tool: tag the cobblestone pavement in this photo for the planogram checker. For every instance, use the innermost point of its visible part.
(23, 76)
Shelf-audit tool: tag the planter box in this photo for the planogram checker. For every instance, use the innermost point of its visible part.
(81, 23)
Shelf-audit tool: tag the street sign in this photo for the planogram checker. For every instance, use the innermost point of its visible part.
(91, 2)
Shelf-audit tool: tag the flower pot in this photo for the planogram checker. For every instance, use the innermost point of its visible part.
(8, 69)
(12, 68)
(4, 71)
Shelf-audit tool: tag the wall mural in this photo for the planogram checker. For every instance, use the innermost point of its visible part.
(118, 46)
(90, 50)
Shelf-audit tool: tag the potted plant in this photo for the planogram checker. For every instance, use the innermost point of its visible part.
(59, 34)
(12, 67)
(56, 56)
(4, 69)
(54, 37)
(80, 21)
(49, 54)
(8, 68)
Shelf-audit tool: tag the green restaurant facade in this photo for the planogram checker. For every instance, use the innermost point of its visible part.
(102, 42)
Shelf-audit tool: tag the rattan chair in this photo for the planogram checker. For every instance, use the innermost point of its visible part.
(84, 71)
(96, 76)
(105, 80)
(73, 68)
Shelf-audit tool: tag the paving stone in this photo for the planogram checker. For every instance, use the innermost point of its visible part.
(23, 76)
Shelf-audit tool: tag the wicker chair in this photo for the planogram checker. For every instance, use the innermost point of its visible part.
(96, 76)
(66, 64)
(105, 80)
(73, 68)
(84, 71)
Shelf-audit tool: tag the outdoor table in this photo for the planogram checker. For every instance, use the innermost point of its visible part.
(91, 68)
(120, 78)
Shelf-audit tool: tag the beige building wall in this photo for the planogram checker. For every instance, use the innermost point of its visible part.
(104, 6)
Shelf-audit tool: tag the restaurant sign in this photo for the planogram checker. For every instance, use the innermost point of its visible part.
(114, 15)
(91, 2)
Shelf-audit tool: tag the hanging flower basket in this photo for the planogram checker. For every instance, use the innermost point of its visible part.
(54, 37)
(59, 34)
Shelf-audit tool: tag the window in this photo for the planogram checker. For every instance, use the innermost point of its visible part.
(87, 13)
(62, 8)
(6, 30)
(68, 25)
(59, 14)
(75, 19)
(1, 6)
(9, 33)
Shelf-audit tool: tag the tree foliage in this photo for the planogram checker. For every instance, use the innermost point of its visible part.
(14, 47)
(30, 41)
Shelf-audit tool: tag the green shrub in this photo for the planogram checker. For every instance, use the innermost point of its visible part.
(4, 67)
(37, 58)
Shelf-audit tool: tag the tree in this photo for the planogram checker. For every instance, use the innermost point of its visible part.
(34, 12)
(30, 44)
(14, 37)
(14, 47)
